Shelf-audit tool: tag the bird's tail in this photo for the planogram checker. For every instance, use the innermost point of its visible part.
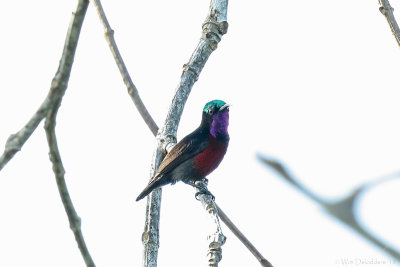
(157, 182)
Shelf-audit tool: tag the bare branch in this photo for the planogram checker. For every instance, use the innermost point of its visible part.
(217, 238)
(16, 141)
(242, 238)
(49, 109)
(387, 10)
(132, 90)
(58, 169)
(57, 89)
(343, 209)
(214, 27)
(59, 86)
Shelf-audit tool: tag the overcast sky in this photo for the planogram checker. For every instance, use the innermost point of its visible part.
(313, 83)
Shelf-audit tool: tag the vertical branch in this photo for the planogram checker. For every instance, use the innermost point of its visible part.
(214, 27)
(387, 10)
(57, 91)
(58, 169)
(132, 90)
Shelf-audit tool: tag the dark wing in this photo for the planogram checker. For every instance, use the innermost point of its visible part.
(187, 148)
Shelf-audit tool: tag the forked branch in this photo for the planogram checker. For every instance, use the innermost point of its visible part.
(57, 89)
(49, 109)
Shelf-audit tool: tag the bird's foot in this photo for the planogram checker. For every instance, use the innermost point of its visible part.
(205, 180)
(204, 191)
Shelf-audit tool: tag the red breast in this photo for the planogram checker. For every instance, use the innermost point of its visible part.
(209, 159)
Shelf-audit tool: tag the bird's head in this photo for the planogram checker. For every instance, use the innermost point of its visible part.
(216, 115)
(214, 107)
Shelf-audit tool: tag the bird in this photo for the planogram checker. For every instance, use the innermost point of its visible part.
(197, 154)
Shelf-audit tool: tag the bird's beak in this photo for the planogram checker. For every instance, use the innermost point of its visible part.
(224, 107)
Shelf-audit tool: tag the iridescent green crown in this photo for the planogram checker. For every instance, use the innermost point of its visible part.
(215, 104)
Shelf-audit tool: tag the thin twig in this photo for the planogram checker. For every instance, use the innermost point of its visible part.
(263, 261)
(16, 141)
(132, 90)
(387, 11)
(214, 27)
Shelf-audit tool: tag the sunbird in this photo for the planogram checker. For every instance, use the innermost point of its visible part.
(197, 154)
